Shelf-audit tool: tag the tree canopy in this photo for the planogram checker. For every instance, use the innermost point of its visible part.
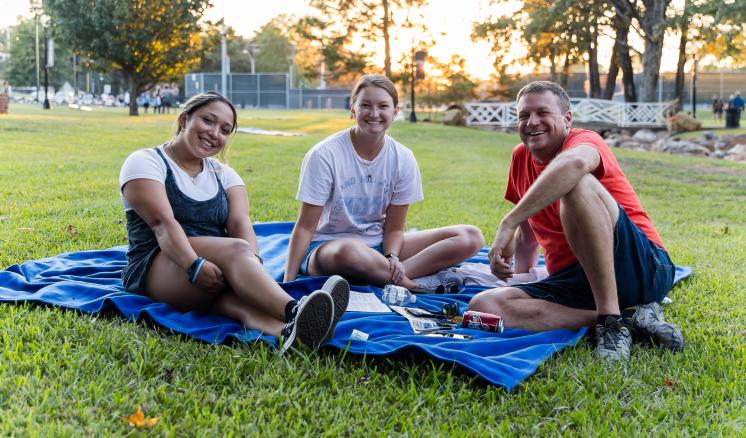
(21, 67)
(146, 40)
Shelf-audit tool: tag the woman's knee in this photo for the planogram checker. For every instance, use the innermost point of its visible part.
(350, 256)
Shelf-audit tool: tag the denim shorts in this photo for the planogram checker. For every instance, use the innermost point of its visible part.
(644, 273)
(314, 246)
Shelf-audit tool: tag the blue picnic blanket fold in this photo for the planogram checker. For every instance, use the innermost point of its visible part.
(90, 281)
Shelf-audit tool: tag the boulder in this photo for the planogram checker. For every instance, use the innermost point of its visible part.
(737, 153)
(633, 144)
(683, 122)
(709, 136)
(686, 147)
(732, 140)
(645, 135)
(454, 116)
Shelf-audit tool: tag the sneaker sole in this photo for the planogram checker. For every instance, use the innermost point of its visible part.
(666, 335)
(339, 290)
(314, 319)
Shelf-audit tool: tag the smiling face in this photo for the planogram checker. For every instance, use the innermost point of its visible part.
(542, 124)
(374, 110)
(206, 130)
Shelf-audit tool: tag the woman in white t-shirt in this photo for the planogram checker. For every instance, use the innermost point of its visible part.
(355, 188)
(191, 242)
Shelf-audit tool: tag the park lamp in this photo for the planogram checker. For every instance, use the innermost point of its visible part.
(418, 72)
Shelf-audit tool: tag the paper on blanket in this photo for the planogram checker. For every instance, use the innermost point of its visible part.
(366, 302)
(478, 274)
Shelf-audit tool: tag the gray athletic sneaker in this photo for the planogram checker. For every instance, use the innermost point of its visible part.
(648, 324)
(311, 320)
(339, 290)
(613, 340)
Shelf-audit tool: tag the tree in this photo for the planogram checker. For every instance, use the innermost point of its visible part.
(371, 20)
(558, 33)
(146, 40)
(446, 83)
(21, 67)
(651, 17)
(210, 61)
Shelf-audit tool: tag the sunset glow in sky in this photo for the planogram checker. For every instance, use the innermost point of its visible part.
(450, 23)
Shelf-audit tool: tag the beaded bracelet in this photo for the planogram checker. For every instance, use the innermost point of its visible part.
(193, 271)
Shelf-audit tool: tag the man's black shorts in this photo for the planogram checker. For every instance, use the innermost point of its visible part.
(644, 273)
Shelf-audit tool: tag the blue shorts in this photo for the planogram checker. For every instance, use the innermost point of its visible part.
(314, 246)
(644, 273)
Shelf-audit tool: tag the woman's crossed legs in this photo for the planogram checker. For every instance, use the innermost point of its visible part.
(422, 253)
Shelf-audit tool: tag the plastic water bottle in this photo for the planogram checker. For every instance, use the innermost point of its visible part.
(397, 295)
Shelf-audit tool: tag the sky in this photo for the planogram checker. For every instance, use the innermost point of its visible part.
(450, 22)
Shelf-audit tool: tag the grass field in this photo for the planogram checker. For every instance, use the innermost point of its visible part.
(67, 374)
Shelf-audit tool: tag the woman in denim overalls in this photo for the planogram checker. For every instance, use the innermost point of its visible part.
(203, 254)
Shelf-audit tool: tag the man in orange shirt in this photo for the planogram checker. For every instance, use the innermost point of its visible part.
(606, 262)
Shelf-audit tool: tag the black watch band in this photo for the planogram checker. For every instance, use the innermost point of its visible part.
(392, 255)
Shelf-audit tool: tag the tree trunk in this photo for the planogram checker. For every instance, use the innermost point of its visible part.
(134, 88)
(386, 42)
(653, 23)
(593, 75)
(625, 61)
(610, 85)
(679, 91)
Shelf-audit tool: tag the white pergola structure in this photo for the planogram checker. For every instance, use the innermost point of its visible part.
(600, 111)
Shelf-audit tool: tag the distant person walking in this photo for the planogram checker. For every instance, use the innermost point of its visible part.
(717, 108)
(738, 104)
(5, 98)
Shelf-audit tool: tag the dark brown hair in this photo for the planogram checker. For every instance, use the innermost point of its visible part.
(198, 102)
(375, 80)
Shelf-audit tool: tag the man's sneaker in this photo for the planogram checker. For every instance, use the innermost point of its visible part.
(648, 324)
(311, 320)
(339, 290)
(613, 340)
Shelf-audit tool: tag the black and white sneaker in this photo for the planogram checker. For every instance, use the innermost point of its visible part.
(339, 290)
(613, 340)
(312, 319)
(648, 324)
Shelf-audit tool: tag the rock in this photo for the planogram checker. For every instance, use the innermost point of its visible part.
(736, 153)
(454, 116)
(719, 154)
(645, 135)
(721, 145)
(658, 145)
(686, 147)
(632, 144)
(733, 140)
(709, 136)
(709, 144)
(682, 122)
(613, 142)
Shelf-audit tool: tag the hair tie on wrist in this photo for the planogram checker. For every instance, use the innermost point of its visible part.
(193, 271)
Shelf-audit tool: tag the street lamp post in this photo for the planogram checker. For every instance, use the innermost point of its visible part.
(418, 72)
(46, 69)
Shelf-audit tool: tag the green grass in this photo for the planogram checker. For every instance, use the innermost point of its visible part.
(67, 374)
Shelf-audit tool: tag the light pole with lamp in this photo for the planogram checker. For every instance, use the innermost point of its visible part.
(252, 51)
(48, 62)
(418, 72)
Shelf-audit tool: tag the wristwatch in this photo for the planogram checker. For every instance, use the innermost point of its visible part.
(392, 255)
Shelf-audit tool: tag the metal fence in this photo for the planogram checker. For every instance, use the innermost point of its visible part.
(265, 90)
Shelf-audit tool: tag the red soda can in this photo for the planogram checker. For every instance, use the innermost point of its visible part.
(482, 321)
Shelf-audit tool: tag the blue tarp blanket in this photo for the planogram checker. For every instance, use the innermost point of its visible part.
(90, 281)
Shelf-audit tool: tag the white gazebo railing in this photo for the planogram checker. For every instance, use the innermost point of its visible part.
(600, 111)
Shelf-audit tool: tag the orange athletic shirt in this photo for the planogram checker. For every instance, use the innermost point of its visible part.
(546, 224)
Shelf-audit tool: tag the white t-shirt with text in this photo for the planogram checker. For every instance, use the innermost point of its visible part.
(146, 164)
(355, 192)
